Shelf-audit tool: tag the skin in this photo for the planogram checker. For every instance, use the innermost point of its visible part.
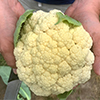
(10, 11)
(86, 11)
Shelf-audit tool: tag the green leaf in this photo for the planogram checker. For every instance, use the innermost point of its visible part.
(2, 61)
(21, 20)
(65, 95)
(5, 73)
(65, 18)
(25, 91)
(19, 98)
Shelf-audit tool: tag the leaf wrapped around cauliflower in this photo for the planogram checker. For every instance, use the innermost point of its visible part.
(53, 55)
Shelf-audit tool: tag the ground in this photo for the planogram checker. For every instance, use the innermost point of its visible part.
(87, 91)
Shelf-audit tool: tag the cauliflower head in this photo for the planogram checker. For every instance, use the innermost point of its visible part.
(53, 58)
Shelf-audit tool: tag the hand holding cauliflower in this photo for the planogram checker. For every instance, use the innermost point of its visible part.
(53, 56)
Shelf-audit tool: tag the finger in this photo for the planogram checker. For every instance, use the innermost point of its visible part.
(19, 9)
(71, 8)
(9, 58)
(16, 6)
(6, 49)
(96, 65)
(96, 50)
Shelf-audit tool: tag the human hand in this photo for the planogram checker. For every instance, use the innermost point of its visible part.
(10, 11)
(87, 12)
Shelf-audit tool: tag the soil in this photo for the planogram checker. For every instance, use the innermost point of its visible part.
(2, 89)
(87, 91)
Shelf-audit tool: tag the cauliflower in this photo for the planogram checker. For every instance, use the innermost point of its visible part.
(52, 54)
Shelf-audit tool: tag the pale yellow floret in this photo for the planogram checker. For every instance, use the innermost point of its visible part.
(53, 69)
(26, 58)
(66, 82)
(64, 68)
(85, 40)
(52, 59)
(18, 50)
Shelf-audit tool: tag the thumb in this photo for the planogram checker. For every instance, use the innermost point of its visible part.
(19, 9)
(71, 8)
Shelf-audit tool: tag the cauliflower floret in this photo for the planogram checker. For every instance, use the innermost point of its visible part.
(50, 58)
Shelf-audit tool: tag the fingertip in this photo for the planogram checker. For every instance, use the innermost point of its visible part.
(20, 9)
(15, 70)
(69, 11)
(71, 8)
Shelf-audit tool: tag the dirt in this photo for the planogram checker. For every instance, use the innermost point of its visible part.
(87, 91)
(2, 89)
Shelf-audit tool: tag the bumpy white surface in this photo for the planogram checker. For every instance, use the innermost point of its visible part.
(52, 59)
